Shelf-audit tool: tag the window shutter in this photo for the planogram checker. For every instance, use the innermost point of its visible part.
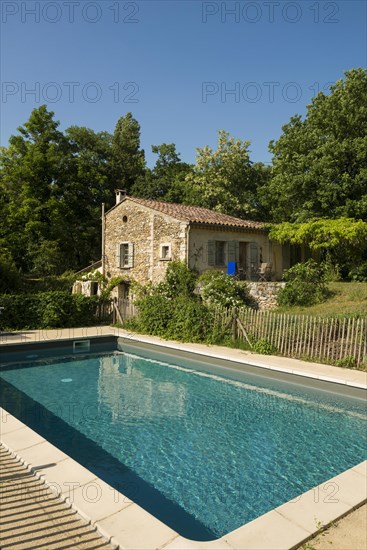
(237, 251)
(211, 252)
(131, 254)
(233, 251)
(254, 255)
(118, 255)
(254, 260)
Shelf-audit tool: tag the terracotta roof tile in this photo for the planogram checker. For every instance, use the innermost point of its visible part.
(196, 214)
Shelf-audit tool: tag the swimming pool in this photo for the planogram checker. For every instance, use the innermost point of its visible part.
(203, 449)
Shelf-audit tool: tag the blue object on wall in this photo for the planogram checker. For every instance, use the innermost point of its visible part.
(232, 268)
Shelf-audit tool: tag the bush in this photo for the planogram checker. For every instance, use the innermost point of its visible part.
(9, 274)
(180, 318)
(47, 310)
(154, 314)
(264, 347)
(217, 288)
(305, 285)
(51, 283)
(359, 273)
(179, 281)
(349, 362)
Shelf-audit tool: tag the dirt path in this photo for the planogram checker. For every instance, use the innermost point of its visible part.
(349, 533)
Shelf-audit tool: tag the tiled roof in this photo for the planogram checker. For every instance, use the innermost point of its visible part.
(196, 214)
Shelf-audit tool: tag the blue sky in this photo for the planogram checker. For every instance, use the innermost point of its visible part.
(174, 63)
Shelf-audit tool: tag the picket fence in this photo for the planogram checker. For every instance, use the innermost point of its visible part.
(325, 339)
(334, 340)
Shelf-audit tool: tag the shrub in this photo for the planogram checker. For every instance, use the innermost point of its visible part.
(348, 362)
(61, 283)
(264, 347)
(154, 314)
(217, 288)
(180, 318)
(47, 310)
(9, 274)
(305, 285)
(179, 281)
(359, 273)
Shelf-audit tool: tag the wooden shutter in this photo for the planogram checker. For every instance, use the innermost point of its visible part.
(233, 251)
(254, 259)
(211, 252)
(118, 255)
(131, 255)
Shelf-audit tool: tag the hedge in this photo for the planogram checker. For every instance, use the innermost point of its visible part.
(47, 310)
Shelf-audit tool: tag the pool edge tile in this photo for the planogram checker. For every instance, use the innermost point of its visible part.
(271, 531)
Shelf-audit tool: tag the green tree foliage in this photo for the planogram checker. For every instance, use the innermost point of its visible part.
(226, 180)
(90, 184)
(305, 285)
(9, 274)
(47, 310)
(166, 181)
(34, 169)
(217, 288)
(320, 163)
(128, 160)
(341, 241)
(51, 189)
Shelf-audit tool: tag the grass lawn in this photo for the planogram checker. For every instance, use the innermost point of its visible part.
(347, 299)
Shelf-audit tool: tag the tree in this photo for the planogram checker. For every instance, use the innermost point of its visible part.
(226, 180)
(341, 241)
(166, 181)
(320, 163)
(128, 160)
(33, 170)
(51, 189)
(90, 184)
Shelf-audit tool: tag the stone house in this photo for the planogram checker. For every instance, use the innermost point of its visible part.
(141, 236)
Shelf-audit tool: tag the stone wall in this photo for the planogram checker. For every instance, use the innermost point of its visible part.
(147, 230)
(265, 293)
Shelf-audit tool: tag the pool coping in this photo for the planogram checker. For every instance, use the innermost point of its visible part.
(275, 363)
(126, 525)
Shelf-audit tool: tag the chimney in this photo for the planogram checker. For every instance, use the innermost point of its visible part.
(120, 195)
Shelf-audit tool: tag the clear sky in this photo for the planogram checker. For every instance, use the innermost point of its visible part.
(174, 63)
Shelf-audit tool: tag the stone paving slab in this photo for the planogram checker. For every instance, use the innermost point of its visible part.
(32, 516)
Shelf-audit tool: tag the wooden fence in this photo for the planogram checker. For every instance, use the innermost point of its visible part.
(325, 339)
(322, 339)
(122, 310)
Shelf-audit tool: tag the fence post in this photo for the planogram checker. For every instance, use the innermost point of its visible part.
(234, 324)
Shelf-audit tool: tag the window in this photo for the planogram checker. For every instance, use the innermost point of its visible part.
(94, 289)
(220, 252)
(125, 255)
(165, 252)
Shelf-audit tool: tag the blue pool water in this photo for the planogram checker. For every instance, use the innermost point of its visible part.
(202, 452)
